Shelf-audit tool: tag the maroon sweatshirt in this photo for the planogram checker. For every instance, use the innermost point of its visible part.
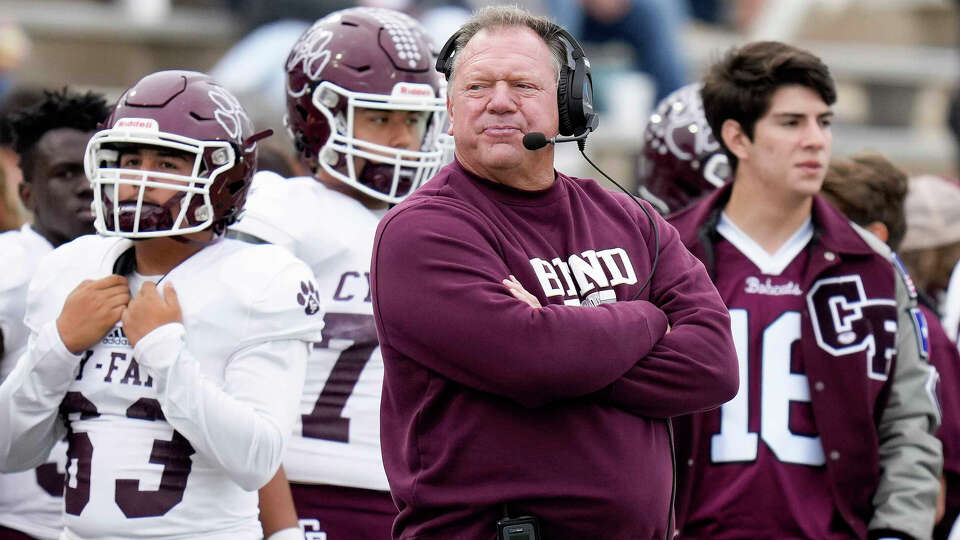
(560, 411)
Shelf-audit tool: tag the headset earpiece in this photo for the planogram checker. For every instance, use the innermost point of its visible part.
(563, 102)
(575, 90)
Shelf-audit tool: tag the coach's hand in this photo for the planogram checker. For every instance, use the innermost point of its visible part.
(149, 310)
(91, 310)
(518, 292)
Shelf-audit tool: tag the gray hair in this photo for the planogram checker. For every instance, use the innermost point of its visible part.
(507, 16)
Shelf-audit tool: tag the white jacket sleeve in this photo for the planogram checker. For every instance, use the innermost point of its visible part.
(30, 400)
(242, 424)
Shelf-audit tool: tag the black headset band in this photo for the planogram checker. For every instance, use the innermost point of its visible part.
(449, 50)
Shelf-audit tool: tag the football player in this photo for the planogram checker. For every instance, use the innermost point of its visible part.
(50, 137)
(171, 358)
(831, 432)
(364, 109)
(681, 160)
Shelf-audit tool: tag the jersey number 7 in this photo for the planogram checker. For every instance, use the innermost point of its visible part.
(326, 420)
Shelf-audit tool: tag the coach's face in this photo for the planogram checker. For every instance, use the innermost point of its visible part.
(504, 86)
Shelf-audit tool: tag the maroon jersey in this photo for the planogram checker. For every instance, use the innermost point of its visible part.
(559, 412)
(342, 513)
(796, 452)
(764, 441)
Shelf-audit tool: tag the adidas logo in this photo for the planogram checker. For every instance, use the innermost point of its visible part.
(115, 337)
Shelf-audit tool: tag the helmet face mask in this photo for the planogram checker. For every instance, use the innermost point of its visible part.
(179, 113)
(380, 171)
(365, 59)
(116, 216)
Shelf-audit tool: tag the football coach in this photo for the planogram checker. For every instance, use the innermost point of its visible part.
(538, 331)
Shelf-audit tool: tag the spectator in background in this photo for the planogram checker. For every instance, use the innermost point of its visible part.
(650, 27)
(931, 247)
(870, 191)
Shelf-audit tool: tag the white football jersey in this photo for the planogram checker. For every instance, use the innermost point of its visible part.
(337, 438)
(22, 251)
(177, 446)
(30, 501)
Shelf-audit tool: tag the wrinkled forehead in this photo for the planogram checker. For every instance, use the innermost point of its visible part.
(497, 43)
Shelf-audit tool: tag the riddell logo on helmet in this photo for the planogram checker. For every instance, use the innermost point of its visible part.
(141, 124)
(412, 90)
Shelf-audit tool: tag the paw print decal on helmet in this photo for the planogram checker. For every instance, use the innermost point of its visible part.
(308, 298)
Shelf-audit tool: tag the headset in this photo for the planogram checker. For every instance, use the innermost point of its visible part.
(574, 87)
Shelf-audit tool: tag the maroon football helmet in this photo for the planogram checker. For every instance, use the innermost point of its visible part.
(367, 58)
(681, 160)
(187, 112)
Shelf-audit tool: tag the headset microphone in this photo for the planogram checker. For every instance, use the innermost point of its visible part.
(536, 140)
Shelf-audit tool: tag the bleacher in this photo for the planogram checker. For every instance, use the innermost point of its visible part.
(106, 45)
(894, 60)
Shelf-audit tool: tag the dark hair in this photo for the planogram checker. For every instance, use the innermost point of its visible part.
(58, 109)
(20, 98)
(6, 131)
(868, 188)
(741, 85)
